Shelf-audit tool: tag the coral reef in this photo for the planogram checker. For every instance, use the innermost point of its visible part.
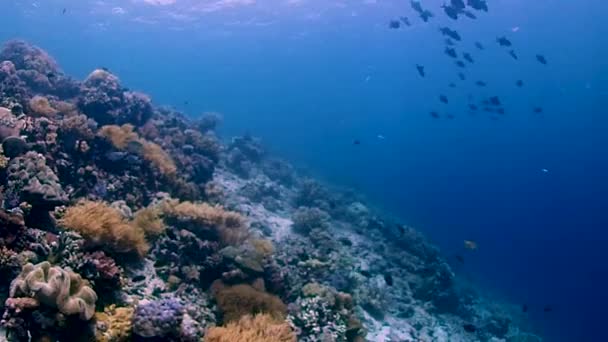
(260, 328)
(111, 201)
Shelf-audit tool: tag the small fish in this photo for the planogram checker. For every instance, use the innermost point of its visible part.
(512, 54)
(461, 76)
(380, 136)
(450, 52)
(388, 278)
(503, 41)
(480, 5)
(459, 258)
(515, 29)
(468, 58)
(544, 170)
(394, 24)
(519, 83)
(420, 69)
(473, 107)
(434, 115)
(479, 45)
(450, 12)
(449, 42)
(470, 245)
(548, 308)
(468, 327)
(446, 31)
(494, 100)
(50, 75)
(406, 21)
(105, 69)
(356, 142)
(500, 111)
(541, 59)
(443, 98)
(469, 14)
(452, 85)
(481, 83)
(186, 103)
(538, 110)
(460, 64)
(426, 15)
(457, 4)
(524, 308)
(64, 11)
(450, 116)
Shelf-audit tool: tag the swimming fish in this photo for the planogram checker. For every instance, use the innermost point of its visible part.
(469, 14)
(459, 258)
(457, 4)
(450, 116)
(479, 45)
(64, 11)
(538, 110)
(468, 58)
(461, 76)
(468, 327)
(480, 5)
(548, 308)
(434, 115)
(443, 98)
(425, 15)
(452, 85)
(524, 308)
(449, 42)
(420, 69)
(541, 59)
(473, 107)
(450, 52)
(380, 136)
(519, 83)
(446, 31)
(356, 142)
(494, 100)
(406, 21)
(503, 41)
(394, 24)
(460, 64)
(512, 53)
(481, 83)
(450, 12)
(388, 278)
(471, 245)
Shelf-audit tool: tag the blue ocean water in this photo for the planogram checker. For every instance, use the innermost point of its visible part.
(310, 77)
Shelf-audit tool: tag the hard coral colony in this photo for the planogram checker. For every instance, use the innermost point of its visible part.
(124, 221)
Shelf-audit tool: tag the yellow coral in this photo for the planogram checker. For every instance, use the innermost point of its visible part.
(122, 136)
(229, 226)
(263, 247)
(105, 227)
(261, 328)
(40, 106)
(114, 324)
(150, 221)
(240, 300)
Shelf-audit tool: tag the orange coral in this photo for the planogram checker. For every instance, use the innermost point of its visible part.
(40, 106)
(150, 221)
(229, 226)
(240, 300)
(263, 247)
(123, 136)
(105, 227)
(261, 328)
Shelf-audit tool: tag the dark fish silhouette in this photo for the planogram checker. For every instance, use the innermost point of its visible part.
(479, 5)
(479, 45)
(548, 308)
(459, 258)
(461, 76)
(512, 53)
(500, 111)
(524, 308)
(434, 115)
(449, 42)
(503, 41)
(495, 101)
(105, 69)
(186, 102)
(406, 21)
(394, 24)
(468, 58)
(356, 142)
(425, 15)
(450, 12)
(481, 83)
(450, 116)
(519, 83)
(473, 107)
(388, 278)
(64, 11)
(446, 31)
(50, 75)
(541, 59)
(452, 85)
(538, 110)
(468, 327)
(469, 14)
(451, 52)
(420, 69)
(457, 4)
(443, 98)
(460, 64)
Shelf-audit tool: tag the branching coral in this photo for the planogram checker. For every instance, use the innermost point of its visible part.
(237, 301)
(261, 328)
(212, 222)
(124, 138)
(40, 106)
(57, 288)
(307, 219)
(104, 227)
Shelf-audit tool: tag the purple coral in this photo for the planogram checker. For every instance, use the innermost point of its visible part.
(159, 318)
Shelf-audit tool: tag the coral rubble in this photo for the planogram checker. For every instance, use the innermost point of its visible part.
(124, 221)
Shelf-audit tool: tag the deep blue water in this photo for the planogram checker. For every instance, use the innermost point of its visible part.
(310, 77)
